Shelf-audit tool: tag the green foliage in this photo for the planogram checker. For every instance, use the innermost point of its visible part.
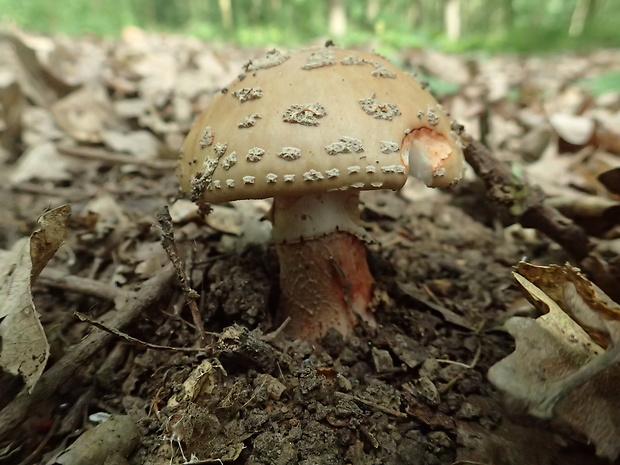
(603, 83)
(493, 25)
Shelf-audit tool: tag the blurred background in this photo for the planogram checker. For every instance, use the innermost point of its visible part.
(456, 25)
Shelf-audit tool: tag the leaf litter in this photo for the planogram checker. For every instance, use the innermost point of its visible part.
(98, 123)
(25, 348)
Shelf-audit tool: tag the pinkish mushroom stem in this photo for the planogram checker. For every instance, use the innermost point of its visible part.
(324, 277)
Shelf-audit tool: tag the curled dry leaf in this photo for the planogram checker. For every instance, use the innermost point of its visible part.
(581, 299)
(557, 370)
(200, 381)
(25, 348)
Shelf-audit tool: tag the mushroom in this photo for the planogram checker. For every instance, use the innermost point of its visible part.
(312, 129)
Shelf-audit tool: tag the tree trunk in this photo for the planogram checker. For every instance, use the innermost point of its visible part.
(226, 14)
(452, 19)
(582, 17)
(372, 10)
(337, 18)
(508, 15)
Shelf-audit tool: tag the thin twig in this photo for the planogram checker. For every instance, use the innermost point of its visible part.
(90, 153)
(128, 338)
(63, 370)
(56, 278)
(452, 362)
(371, 404)
(526, 204)
(460, 376)
(170, 246)
(269, 337)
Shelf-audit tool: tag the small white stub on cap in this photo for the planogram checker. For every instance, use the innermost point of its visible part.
(290, 153)
(255, 154)
(313, 175)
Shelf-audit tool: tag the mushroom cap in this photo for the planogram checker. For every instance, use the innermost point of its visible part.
(315, 121)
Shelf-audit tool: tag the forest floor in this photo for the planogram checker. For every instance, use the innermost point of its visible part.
(97, 125)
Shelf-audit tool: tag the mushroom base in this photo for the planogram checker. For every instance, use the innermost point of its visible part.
(324, 283)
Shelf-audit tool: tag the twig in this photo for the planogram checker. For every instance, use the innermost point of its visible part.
(525, 203)
(269, 337)
(452, 362)
(56, 278)
(48, 190)
(461, 375)
(52, 379)
(128, 338)
(370, 403)
(90, 153)
(167, 242)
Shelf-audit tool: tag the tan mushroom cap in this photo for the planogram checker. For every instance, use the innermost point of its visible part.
(313, 121)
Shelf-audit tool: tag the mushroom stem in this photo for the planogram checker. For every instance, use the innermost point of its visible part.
(324, 278)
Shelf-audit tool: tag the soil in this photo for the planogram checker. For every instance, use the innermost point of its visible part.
(412, 391)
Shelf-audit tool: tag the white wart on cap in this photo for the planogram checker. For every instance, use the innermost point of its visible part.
(316, 121)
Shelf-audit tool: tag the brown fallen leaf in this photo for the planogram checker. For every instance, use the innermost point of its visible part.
(41, 86)
(557, 371)
(581, 299)
(25, 348)
(85, 113)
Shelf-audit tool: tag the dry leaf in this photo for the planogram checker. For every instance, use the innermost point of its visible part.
(576, 130)
(200, 381)
(557, 371)
(85, 113)
(183, 210)
(581, 299)
(143, 144)
(44, 242)
(36, 82)
(25, 348)
(44, 162)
